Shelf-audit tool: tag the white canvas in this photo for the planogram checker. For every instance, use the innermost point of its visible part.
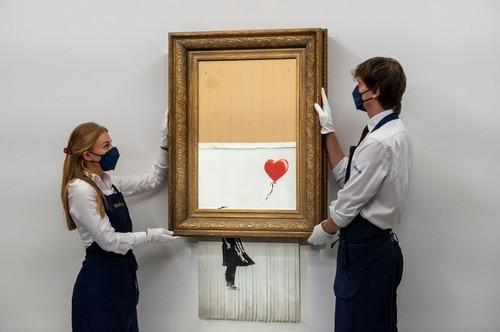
(232, 176)
(268, 291)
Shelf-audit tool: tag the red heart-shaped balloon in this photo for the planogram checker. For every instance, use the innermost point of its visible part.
(276, 169)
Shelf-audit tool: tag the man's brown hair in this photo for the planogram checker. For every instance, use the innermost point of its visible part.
(387, 75)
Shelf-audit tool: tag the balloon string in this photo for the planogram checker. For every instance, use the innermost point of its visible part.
(272, 187)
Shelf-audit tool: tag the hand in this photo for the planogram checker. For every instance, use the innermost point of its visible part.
(319, 236)
(164, 130)
(325, 114)
(160, 235)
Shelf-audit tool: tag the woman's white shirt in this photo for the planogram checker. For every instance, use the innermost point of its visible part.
(83, 206)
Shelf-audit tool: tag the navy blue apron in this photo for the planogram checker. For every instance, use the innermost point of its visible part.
(369, 269)
(106, 293)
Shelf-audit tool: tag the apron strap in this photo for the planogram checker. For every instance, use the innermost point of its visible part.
(387, 118)
(115, 189)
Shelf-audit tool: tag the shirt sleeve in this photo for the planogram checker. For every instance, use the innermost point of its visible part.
(136, 184)
(339, 171)
(370, 166)
(82, 199)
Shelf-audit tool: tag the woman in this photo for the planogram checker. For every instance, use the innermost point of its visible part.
(105, 294)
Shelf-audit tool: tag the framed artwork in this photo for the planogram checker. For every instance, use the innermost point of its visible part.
(246, 155)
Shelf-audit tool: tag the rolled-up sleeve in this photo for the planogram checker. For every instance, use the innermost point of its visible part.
(136, 184)
(370, 166)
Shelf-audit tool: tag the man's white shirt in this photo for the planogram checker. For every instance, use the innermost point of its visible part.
(379, 178)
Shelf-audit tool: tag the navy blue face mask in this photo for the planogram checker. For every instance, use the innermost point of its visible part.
(358, 98)
(109, 159)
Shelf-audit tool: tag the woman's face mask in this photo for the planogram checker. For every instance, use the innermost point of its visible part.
(109, 159)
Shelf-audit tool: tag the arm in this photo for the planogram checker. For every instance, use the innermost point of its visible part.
(323, 232)
(336, 157)
(83, 210)
(135, 184)
(330, 226)
(334, 151)
(132, 185)
(370, 166)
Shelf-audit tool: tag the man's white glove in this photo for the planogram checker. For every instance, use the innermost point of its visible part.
(164, 130)
(319, 236)
(325, 114)
(160, 235)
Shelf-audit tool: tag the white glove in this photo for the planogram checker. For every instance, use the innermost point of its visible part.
(160, 235)
(325, 115)
(319, 236)
(164, 130)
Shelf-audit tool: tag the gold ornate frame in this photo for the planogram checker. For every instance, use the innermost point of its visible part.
(309, 46)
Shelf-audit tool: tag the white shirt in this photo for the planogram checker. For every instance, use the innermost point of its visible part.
(378, 184)
(83, 206)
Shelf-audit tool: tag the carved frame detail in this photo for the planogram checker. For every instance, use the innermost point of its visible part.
(184, 217)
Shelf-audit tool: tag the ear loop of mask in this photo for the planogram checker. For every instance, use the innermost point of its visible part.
(362, 93)
(96, 154)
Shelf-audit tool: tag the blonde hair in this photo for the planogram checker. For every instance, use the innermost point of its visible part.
(81, 139)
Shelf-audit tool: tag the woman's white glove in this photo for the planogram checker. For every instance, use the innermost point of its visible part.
(164, 130)
(160, 235)
(325, 114)
(319, 236)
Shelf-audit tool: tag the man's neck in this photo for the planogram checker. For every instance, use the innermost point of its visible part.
(375, 109)
(372, 122)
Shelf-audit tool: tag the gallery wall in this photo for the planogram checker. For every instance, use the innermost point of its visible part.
(66, 62)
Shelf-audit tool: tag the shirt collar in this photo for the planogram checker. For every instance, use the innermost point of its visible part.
(103, 182)
(377, 118)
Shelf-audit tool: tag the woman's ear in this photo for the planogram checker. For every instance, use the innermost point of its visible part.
(86, 156)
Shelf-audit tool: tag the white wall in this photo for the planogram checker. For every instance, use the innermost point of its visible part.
(64, 62)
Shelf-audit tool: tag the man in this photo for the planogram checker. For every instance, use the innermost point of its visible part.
(375, 186)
